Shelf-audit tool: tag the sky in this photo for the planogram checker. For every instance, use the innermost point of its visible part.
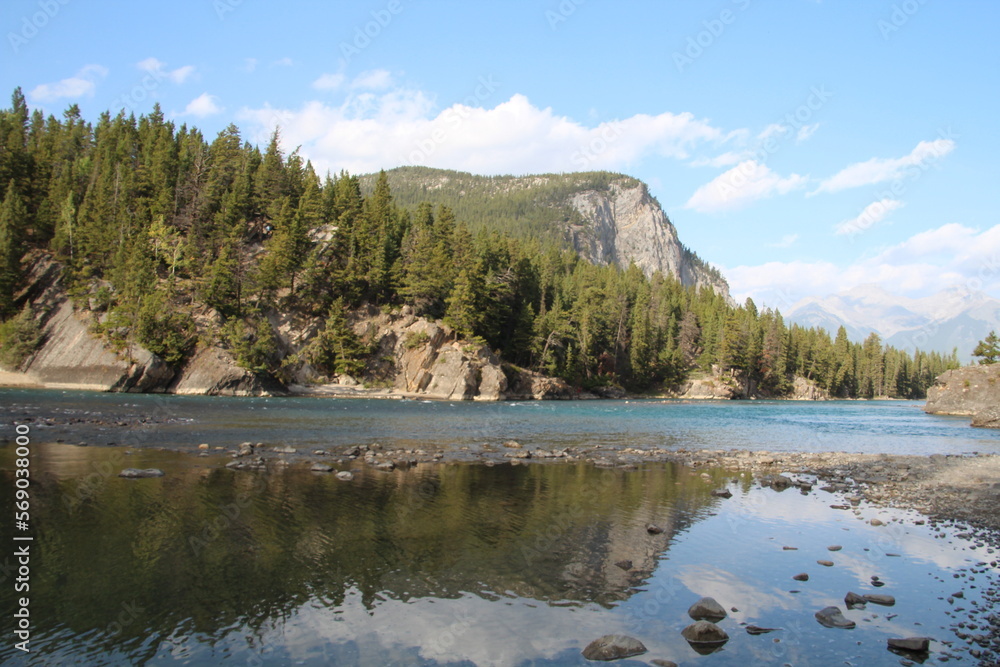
(803, 147)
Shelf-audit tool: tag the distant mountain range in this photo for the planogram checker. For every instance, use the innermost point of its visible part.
(956, 317)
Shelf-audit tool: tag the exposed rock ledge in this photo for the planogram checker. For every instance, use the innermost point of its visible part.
(972, 391)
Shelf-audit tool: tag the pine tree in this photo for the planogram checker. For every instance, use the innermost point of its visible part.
(988, 349)
(12, 216)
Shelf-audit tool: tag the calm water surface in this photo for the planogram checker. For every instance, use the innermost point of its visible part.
(463, 564)
(898, 427)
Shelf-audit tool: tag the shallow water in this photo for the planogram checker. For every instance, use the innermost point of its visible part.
(459, 565)
(894, 427)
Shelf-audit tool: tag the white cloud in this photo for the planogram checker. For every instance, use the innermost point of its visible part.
(328, 82)
(787, 241)
(378, 79)
(250, 64)
(806, 131)
(923, 264)
(725, 160)
(81, 84)
(872, 214)
(371, 130)
(159, 70)
(282, 62)
(203, 105)
(878, 170)
(745, 183)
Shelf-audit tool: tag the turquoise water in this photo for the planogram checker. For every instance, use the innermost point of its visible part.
(896, 427)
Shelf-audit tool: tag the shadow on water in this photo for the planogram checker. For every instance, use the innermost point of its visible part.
(444, 565)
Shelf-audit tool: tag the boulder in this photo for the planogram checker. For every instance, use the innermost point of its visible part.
(802, 576)
(884, 600)
(613, 647)
(345, 475)
(832, 617)
(704, 636)
(706, 609)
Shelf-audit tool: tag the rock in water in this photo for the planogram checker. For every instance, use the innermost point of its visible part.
(915, 644)
(884, 600)
(345, 475)
(722, 493)
(321, 467)
(653, 529)
(802, 576)
(705, 637)
(624, 564)
(855, 601)
(664, 663)
(707, 609)
(136, 473)
(832, 617)
(613, 647)
(757, 630)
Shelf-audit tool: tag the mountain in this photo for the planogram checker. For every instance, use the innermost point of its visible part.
(956, 317)
(607, 218)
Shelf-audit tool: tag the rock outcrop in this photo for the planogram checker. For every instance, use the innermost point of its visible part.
(626, 225)
(212, 371)
(70, 357)
(971, 391)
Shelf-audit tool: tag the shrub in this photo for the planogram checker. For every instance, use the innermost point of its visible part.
(19, 338)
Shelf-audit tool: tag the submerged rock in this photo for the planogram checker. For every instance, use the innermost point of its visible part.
(345, 475)
(137, 473)
(757, 630)
(321, 467)
(613, 647)
(832, 617)
(722, 493)
(653, 529)
(884, 600)
(802, 576)
(915, 644)
(707, 609)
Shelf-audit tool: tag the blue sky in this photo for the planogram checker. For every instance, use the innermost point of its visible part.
(803, 147)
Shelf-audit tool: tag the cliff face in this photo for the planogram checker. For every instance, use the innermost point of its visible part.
(625, 225)
(972, 391)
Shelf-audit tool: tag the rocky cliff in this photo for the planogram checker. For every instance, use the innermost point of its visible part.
(972, 391)
(730, 385)
(417, 357)
(608, 218)
(625, 225)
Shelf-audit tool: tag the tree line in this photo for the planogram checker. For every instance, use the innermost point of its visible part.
(174, 240)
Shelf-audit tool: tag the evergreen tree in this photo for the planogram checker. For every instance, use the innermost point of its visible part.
(988, 349)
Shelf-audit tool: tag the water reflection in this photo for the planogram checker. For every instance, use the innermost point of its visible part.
(440, 565)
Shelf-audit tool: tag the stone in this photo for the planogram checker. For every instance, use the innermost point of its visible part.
(203, 446)
(245, 449)
(137, 473)
(835, 547)
(722, 493)
(757, 630)
(345, 475)
(321, 467)
(707, 609)
(915, 644)
(386, 466)
(832, 617)
(653, 529)
(705, 635)
(776, 482)
(884, 600)
(825, 563)
(613, 647)
(802, 576)
(624, 564)
(286, 449)
(876, 522)
(663, 663)
(855, 601)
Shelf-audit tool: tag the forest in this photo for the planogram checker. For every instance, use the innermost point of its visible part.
(176, 241)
